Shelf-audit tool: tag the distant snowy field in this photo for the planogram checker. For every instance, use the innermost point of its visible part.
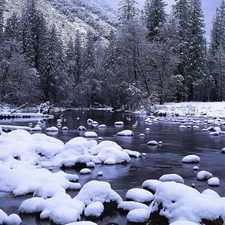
(210, 109)
(26, 161)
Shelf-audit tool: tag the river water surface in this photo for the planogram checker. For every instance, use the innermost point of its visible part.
(157, 161)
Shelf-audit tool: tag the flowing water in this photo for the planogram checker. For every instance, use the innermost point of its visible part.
(157, 160)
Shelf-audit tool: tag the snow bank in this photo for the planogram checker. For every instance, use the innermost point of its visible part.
(197, 109)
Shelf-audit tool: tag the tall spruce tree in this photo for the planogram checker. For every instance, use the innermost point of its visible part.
(216, 53)
(182, 11)
(127, 10)
(53, 79)
(196, 64)
(12, 28)
(109, 86)
(34, 30)
(78, 51)
(155, 16)
(2, 9)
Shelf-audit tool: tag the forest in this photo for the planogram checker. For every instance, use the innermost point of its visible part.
(151, 57)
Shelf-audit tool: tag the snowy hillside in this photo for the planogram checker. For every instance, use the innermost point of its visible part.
(68, 15)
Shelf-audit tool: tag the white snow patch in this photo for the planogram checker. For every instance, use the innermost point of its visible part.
(94, 209)
(191, 159)
(171, 177)
(139, 195)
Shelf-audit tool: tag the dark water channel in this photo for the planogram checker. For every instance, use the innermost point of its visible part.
(160, 160)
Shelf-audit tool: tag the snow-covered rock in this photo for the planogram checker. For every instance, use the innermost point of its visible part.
(94, 209)
(153, 143)
(138, 216)
(213, 181)
(108, 152)
(139, 195)
(90, 134)
(125, 133)
(172, 177)
(191, 159)
(119, 124)
(173, 201)
(130, 205)
(97, 191)
(151, 184)
(204, 175)
(52, 129)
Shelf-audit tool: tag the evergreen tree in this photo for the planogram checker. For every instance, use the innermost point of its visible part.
(89, 52)
(70, 59)
(182, 12)
(196, 64)
(12, 28)
(127, 10)
(2, 9)
(192, 48)
(164, 59)
(78, 57)
(216, 53)
(109, 86)
(34, 30)
(53, 80)
(155, 16)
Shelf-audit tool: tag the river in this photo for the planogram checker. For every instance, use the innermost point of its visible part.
(157, 160)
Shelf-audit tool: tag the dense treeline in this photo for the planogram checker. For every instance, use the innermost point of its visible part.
(152, 57)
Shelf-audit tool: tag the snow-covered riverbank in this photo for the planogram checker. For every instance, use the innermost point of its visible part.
(197, 109)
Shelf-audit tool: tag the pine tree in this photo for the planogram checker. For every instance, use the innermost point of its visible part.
(196, 64)
(78, 57)
(70, 62)
(216, 53)
(52, 76)
(127, 10)
(34, 30)
(2, 9)
(12, 28)
(155, 16)
(89, 51)
(192, 48)
(109, 86)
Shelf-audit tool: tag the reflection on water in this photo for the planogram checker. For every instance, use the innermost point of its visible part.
(159, 160)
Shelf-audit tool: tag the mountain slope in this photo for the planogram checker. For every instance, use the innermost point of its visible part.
(70, 15)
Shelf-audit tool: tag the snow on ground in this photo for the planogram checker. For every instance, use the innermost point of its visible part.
(210, 109)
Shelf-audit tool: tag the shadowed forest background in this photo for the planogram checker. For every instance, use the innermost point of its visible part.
(148, 57)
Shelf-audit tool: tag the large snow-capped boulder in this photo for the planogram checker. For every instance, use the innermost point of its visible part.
(176, 202)
(97, 191)
(109, 152)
